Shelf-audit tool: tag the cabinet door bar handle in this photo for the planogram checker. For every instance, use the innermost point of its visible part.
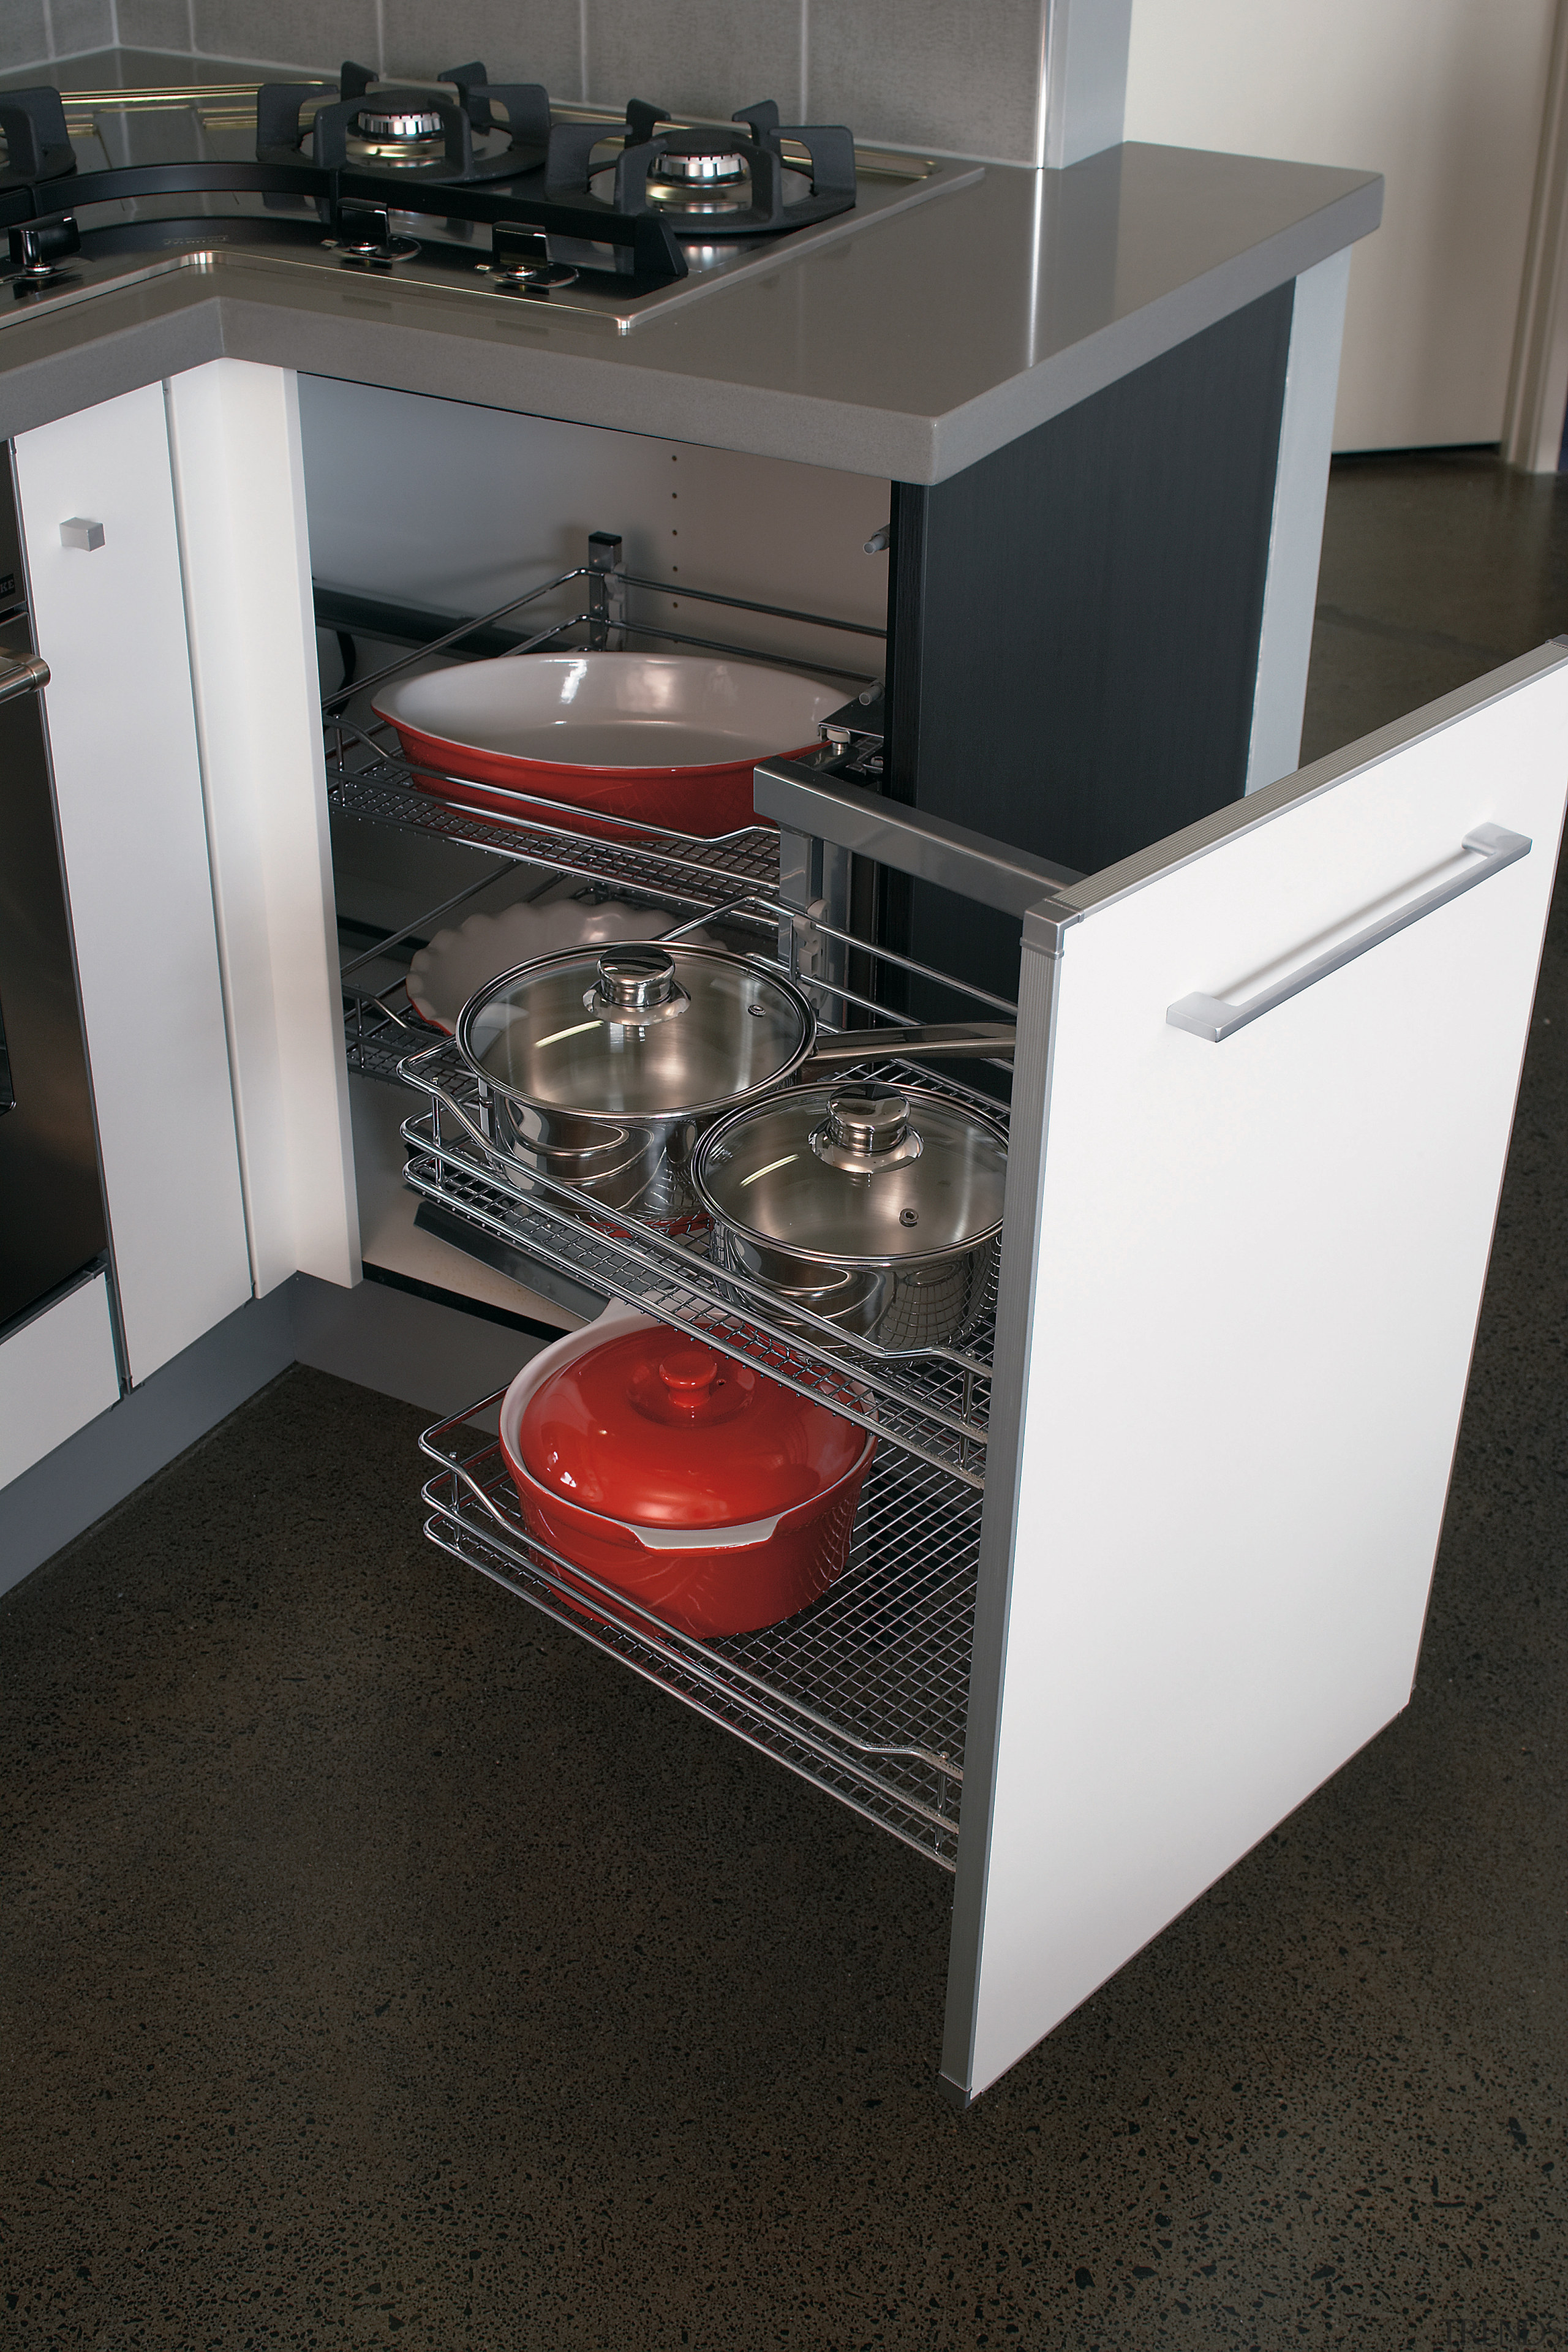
(22, 677)
(1210, 1017)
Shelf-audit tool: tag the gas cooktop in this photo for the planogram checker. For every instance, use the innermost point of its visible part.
(470, 189)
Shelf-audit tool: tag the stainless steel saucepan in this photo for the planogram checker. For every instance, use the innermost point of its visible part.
(604, 1069)
(875, 1208)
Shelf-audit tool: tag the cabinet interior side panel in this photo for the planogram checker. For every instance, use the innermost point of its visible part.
(1260, 1265)
(431, 503)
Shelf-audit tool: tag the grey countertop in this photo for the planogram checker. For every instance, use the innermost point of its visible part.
(907, 350)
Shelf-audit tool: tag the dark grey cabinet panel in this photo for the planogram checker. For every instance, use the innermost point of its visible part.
(1075, 621)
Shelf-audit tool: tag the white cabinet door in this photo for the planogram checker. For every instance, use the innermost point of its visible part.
(1240, 1294)
(109, 619)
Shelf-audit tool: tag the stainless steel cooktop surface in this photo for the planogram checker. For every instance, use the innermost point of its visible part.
(689, 179)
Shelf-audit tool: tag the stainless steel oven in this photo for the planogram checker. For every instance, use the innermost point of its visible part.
(51, 1201)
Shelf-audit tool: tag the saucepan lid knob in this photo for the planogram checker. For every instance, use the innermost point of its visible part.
(636, 978)
(868, 1119)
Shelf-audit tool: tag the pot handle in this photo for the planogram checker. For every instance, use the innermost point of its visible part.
(977, 1040)
(737, 1538)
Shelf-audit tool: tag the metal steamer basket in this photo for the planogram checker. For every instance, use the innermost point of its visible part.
(876, 1209)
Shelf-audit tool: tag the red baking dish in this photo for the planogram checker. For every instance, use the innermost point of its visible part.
(701, 1489)
(660, 739)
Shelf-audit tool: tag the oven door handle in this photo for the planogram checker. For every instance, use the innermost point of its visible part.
(22, 677)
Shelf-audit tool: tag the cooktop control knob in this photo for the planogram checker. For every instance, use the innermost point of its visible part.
(38, 247)
(520, 263)
(363, 236)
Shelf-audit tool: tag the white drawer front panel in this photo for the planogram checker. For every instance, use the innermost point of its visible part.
(1257, 1266)
(56, 1375)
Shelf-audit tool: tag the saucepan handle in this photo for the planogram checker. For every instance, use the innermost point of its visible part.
(974, 1041)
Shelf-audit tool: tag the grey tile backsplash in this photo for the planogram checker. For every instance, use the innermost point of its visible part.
(296, 33)
(24, 34)
(964, 78)
(924, 71)
(539, 41)
(35, 32)
(78, 26)
(709, 55)
(155, 24)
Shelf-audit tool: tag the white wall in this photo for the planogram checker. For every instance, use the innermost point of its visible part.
(1444, 98)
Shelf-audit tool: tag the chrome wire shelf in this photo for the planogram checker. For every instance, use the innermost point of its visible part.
(376, 1037)
(933, 1404)
(365, 780)
(865, 1693)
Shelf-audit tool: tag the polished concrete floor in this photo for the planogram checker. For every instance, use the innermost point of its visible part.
(382, 1965)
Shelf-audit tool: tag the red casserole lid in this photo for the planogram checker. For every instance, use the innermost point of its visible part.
(656, 1431)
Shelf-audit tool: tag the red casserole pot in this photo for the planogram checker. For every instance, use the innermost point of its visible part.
(699, 1488)
(661, 739)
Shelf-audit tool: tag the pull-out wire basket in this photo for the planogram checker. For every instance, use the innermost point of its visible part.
(864, 1694)
(934, 1404)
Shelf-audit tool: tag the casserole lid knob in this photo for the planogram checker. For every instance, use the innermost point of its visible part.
(657, 1431)
(689, 1374)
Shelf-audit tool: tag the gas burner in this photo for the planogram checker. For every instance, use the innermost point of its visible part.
(379, 136)
(725, 184)
(706, 176)
(706, 170)
(446, 129)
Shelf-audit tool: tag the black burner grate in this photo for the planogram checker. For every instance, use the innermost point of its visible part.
(476, 143)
